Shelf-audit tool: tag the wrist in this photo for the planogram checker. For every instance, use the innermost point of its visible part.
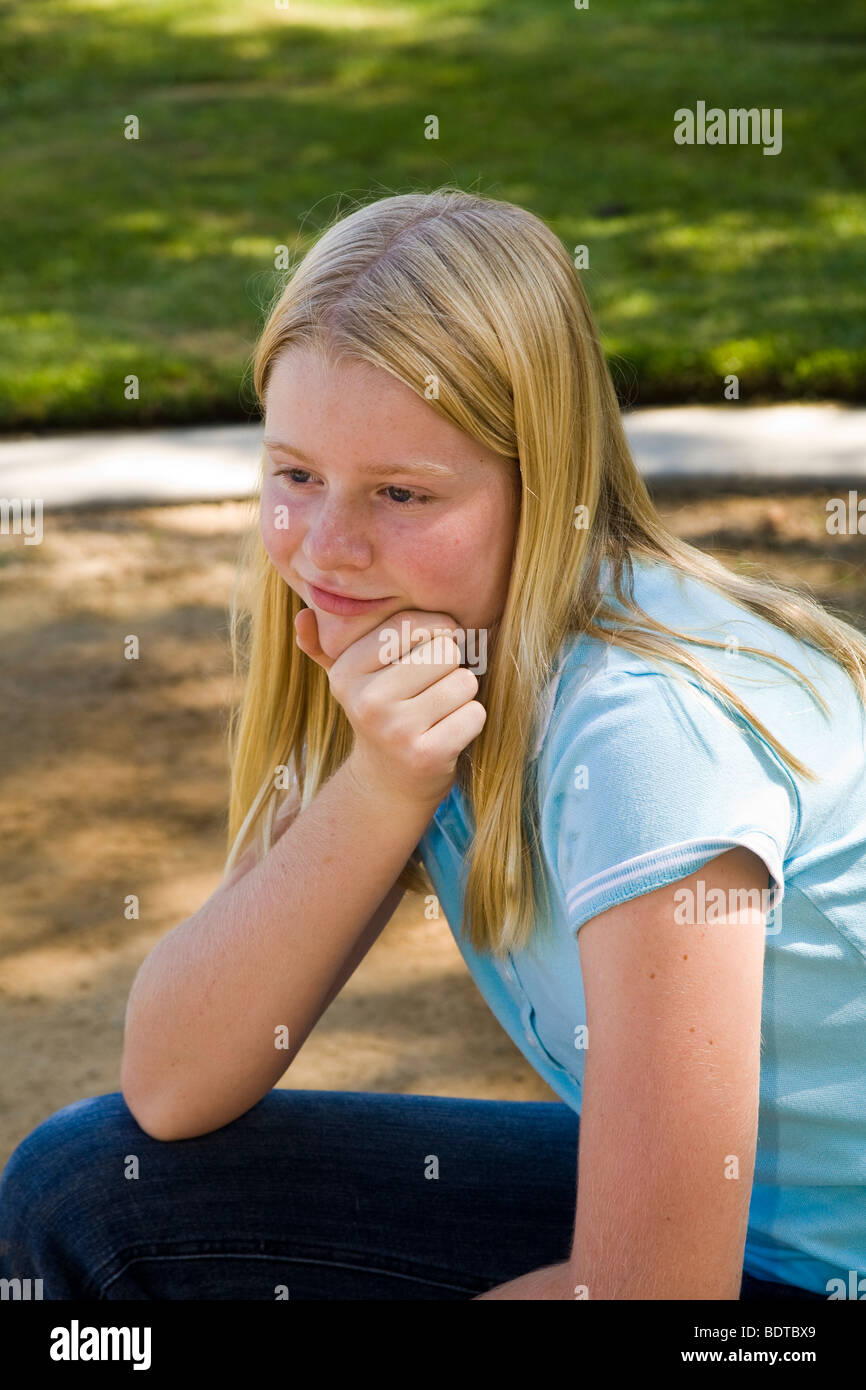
(381, 790)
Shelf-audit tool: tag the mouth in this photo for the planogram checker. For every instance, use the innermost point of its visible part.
(342, 604)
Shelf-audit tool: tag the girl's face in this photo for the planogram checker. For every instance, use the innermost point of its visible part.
(369, 493)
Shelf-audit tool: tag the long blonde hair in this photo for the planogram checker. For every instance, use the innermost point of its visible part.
(481, 296)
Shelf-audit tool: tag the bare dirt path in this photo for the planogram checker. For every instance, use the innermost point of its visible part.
(113, 781)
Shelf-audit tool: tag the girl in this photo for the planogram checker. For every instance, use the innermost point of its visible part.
(473, 646)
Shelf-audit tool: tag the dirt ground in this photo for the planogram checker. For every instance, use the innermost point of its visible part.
(113, 781)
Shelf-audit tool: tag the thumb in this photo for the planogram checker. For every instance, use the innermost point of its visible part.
(307, 638)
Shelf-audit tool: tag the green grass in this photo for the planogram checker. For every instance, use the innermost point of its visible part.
(155, 257)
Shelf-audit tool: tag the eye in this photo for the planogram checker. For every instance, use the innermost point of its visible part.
(416, 498)
(413, 496)
(285, 473)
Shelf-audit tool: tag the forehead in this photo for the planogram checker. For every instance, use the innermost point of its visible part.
(325, 408)
(303, 385)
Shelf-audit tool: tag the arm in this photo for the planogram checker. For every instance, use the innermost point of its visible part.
(268, 949)
(670, 1098)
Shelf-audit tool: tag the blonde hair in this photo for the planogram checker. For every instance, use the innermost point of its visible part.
(482, 296)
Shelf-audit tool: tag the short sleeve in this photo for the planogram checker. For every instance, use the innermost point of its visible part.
(645, 779)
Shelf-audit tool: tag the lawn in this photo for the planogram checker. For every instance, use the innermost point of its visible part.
(155, 256)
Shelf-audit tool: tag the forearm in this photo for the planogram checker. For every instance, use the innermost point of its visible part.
(560, 1282)
(551, 1281)
(201, 1039)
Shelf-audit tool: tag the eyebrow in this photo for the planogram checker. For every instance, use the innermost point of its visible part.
(376, 470)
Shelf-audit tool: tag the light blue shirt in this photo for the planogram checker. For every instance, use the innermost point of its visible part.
(669, 783)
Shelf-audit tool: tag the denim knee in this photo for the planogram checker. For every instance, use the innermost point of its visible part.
(52, 1168)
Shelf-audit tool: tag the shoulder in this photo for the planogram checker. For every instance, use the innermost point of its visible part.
(640, 708)
(642, 731)
(643, 777)
(622, 704)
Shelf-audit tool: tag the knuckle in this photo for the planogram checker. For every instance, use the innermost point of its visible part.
(364, 705)
(424, 759)
(453, 650)
(467, 679)
(335, 679)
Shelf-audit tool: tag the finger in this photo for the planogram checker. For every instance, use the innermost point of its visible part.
(392, 641)
(307, 638)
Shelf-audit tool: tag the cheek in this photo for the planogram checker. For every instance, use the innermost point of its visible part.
(277, 526)
(421, 553)
(436, 564)
(470, 551)
(450, 567)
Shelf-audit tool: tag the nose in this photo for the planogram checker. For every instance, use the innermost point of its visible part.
(336, 537)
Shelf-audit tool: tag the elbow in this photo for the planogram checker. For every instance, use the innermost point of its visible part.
(149, 1115)
(158, 1122)
(152, 1122)
(162, 1116)
(150, 1102)
(148, 1107)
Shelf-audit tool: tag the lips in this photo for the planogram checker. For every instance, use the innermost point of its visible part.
(342, 604)
(338, 593)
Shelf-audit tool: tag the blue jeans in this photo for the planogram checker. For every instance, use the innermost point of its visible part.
(310, 1194)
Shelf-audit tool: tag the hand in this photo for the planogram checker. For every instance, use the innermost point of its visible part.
(411, 715)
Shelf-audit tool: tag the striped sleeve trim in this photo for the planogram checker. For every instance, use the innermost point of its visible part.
(659, 867)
